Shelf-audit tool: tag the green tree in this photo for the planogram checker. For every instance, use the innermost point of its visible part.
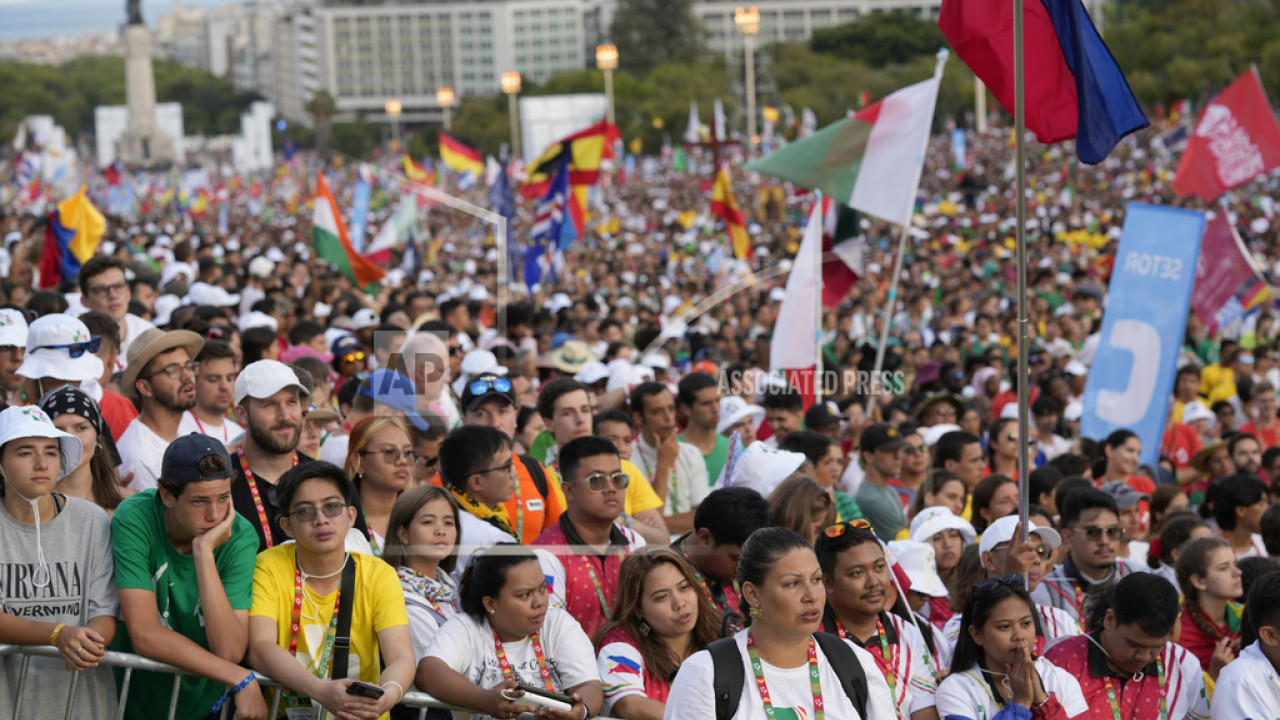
(321, 107)
(880, 38)
(649, 33)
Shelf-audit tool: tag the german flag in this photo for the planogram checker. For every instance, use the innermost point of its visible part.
(460, 156)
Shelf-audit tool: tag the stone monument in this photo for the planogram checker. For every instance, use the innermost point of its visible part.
(143, 143)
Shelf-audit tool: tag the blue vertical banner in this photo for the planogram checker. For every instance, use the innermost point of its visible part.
(1133, 370)
(959, 149)
(359, 214)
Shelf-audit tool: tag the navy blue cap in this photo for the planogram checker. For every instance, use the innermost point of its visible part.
(182, 458)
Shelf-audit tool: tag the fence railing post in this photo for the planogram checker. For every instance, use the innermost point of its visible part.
(71, 698)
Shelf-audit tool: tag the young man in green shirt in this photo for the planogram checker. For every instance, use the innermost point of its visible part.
(184, 569)
(698, 398)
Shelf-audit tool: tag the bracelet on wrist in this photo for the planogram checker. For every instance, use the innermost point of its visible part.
(232, 691)
(398, 687)
(53, 639)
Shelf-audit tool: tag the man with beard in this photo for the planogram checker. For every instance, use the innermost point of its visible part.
(160, 375)
(270, 399)
(215, 379)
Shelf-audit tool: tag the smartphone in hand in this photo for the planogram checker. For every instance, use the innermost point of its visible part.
(364, 689)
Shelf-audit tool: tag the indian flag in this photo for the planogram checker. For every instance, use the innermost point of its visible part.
(329, 238)
(870, 160)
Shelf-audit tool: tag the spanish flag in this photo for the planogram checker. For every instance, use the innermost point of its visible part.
(725, 207)
(416, 172)
(460, 156)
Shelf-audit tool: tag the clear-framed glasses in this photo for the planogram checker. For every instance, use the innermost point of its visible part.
(176, 370)
(597, 482)
(391, 456)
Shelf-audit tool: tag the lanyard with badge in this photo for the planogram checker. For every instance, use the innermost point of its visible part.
(298, 706)
(257, 497)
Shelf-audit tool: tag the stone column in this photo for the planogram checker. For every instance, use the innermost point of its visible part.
(143, 143)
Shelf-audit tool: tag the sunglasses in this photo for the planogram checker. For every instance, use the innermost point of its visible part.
(1041, 550)
(353, 357)
(835, 531)
(307, 514)
(597, 482)
(77, 349)
(1095, 533)
(1013, 581)
(429, 461)
(480, 387)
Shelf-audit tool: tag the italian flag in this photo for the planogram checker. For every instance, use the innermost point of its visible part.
(870, 160)
(329, 238)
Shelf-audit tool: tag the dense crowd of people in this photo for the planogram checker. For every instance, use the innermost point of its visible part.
(594, 497)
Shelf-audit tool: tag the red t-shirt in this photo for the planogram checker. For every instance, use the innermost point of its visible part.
(1269, 437)
(1200, 643)
(117, 412)
(1180, 444)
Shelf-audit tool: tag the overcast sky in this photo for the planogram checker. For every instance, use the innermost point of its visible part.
(50, 18)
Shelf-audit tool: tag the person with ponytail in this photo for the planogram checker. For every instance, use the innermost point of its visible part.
(55, 551)
(785, 671)
(1176, 530)
(507, 635)
(995, 674)
(1210, 583)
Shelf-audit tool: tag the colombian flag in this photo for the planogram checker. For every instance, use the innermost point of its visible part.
(725, 207)
(72, 236)
(460, 156)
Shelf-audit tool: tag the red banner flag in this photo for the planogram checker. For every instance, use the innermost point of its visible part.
(1228, 285)
(1236, 139)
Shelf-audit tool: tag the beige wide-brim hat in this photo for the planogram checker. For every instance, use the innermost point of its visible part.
(148, 345)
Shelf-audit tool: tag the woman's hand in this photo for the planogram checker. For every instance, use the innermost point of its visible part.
(1222, 656)
(500, 705)
(1023, 678)
(81, 647)
(579, 711)
(333, 695)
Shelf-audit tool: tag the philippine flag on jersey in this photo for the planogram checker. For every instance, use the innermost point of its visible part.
(620, 664)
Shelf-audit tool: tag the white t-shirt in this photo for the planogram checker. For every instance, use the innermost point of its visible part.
(474, 535)
(1247, 688)
(968, 695)
(467, 647)
(226, 433)
(688, 483)
(334, 450)
(141, 453)
(694, 699)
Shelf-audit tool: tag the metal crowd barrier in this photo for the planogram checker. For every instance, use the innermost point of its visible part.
(129, 662)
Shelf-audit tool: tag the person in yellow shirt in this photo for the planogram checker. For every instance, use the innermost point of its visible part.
(297, 589)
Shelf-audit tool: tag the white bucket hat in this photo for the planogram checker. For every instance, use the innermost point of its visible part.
(733, 409)
(51, 341)
(933, 520)
(763, 468)
(1001, 531)
(31, 421)
(917, 561)
(13, 328)
(202, 293)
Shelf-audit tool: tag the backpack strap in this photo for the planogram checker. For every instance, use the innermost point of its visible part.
(728, 676)
(853, 679)
(342, 641)
(536, 473)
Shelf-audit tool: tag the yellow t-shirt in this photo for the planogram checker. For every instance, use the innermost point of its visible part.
(640, 494)
(379, 605)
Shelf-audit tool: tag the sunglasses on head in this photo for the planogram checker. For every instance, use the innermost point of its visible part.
(835, 531)
(1013, 581)
(480, 387)
(75, 350)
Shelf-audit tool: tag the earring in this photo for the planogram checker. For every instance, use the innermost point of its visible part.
(644, 628)
(756, 613)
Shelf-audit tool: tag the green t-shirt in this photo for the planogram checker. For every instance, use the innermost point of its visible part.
(716, 460)
(542, 445)
(146, 560)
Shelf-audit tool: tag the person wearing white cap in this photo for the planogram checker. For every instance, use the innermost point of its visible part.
(856, 573)
(947, 534)
(160, 375)
(103, 287)
(59, 585)
(738, 416)
(13, 347)
(270, 398)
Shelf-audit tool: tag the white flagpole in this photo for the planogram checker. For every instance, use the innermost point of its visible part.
(818, 384)
(892, 300)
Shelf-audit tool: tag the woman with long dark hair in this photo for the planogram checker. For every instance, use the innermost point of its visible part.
(94, 478)
(1211, 585)
(994, 673)
(661, 616)
(422, 545)
(1002, 447)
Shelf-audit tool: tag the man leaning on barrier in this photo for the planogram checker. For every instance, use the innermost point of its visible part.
(184, 568)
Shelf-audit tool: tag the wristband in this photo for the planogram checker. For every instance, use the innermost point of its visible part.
(586, 711)
(398, 687)
(233, 691)
(53, 639)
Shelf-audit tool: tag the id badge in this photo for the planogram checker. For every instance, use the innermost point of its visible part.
(297, 707)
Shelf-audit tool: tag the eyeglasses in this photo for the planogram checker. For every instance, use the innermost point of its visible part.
(1095, 533)
(1041, 550)
(454, 350)
(75, 350)
(353, 357)
(910, 450)
(505, 468)
(307, 514)
(175, 370)
(480, 387)
(107, 290)
(597, 482)
(391, 456)
(945, 411)
(835, 531)
(428, 461)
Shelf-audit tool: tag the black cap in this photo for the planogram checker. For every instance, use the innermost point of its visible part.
(819, 415)
(182, 458)
(881, 436)
(489, 385)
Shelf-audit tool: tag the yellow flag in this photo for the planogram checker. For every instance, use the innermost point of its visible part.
(78, 214)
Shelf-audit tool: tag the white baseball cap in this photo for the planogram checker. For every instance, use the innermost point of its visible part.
(265, 378)
(1001, 531)
(260, 267)
(165, 305)
(13, 328)
(364, 318)
(918, 562)
(1193, 411)
(202, 293)
(933, 520)
(258, 318)
(592, 373)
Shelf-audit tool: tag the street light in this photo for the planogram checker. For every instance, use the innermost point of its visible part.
(607, 61)
(393, 108)
(511, 87)
(748, 21)
(444, 98)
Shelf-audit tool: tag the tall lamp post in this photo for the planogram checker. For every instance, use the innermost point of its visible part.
(748, 21)
(444, 98)
(394, 108)
(511, 87)
(607, 61)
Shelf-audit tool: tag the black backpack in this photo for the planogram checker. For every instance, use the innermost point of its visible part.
(536, 474)
(728, 675)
